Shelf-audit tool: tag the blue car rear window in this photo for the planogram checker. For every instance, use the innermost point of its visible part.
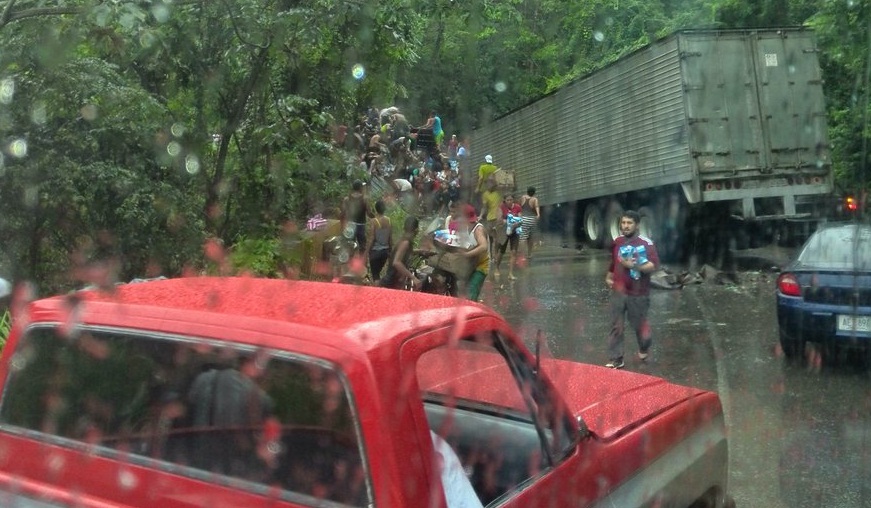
(839, 248)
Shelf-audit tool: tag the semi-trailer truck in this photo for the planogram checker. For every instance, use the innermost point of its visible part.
(692, 129)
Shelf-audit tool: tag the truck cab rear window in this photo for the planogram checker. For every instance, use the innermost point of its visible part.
(248, 417)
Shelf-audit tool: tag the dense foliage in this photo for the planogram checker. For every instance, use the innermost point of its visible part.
(135, 133)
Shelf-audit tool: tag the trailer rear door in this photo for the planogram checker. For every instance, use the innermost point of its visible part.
(754, 102)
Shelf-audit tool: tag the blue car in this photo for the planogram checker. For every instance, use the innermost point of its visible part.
(824, 295)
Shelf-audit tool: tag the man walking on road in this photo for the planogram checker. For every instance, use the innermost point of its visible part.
(633, 259)
(491, 200)
(484, 171)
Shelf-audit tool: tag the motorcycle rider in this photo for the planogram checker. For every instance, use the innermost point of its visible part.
(398, 272)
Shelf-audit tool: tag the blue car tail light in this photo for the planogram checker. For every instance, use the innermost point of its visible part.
(787, 284)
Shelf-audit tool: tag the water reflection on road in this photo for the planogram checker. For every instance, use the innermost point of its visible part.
(799, 436)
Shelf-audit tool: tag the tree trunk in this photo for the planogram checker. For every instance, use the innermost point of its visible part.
(212, 204)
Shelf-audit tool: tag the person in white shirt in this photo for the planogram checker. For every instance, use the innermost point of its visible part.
(459, 492)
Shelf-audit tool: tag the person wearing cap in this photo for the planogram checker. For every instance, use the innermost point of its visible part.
(463, 150)
(484, 171)
(478, 252)
(491, 200)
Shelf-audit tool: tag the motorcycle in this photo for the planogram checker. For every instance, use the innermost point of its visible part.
(340, 251)
(435, 280)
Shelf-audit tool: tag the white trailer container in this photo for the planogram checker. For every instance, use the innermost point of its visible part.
(699, 124)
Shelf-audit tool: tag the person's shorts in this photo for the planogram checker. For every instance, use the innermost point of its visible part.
(529, 226)
(509, 242)
(473, 287)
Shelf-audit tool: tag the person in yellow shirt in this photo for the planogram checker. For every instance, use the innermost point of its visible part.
(491, 200)
(484, 172)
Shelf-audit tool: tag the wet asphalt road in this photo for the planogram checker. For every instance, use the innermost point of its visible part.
(800, 433)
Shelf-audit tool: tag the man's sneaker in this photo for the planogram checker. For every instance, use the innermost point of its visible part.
(643, 356)
(615, 364)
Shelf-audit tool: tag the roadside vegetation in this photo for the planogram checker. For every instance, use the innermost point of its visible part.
(136, 133)
(5, 328)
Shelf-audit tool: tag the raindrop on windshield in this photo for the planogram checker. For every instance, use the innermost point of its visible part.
(177, 129)
(39, 114)
(192, 164)
(7, 91)
(173, 148)
(89, 112)
(18, 148)
(160, 12)
(358, 71)
(126, 479)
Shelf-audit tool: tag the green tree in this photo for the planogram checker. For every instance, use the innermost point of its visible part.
(148, 112)
(844, 34)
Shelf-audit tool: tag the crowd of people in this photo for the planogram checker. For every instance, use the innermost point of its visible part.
(416, 161)
(483, 228)
(423, 172)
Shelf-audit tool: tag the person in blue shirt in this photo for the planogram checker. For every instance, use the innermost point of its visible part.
(435, 123)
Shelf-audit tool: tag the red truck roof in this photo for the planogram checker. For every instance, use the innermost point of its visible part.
(349, 310)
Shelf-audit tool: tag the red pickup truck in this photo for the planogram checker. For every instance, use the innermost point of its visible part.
(243, 392)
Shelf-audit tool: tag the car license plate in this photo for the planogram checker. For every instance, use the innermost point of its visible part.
(854, 323)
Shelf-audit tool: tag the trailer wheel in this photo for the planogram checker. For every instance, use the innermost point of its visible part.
(594, 225)
(612, 222)
(649, 225)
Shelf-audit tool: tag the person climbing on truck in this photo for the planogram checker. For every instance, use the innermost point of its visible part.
(434, 122)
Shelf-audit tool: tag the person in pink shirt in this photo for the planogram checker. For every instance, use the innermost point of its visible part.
(511, 237)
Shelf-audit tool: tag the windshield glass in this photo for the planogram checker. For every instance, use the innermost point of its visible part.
(629, 185)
